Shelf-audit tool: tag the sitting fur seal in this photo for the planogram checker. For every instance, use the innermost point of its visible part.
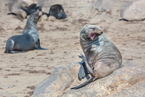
(57, 11)
(29, 40)
(15, 9)
(22, 9)
(101, 56)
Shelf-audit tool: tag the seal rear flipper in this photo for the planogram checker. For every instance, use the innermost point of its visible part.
(13, 52)
(11, 13)
(84, 84)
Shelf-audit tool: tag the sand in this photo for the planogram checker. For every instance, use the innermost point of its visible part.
(21, 73)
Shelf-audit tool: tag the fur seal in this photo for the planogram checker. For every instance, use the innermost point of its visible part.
(102, 57)
(57, 11)
(15, 9)
(22, 9)
(29, 40)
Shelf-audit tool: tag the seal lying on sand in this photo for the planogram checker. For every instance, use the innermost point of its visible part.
(29, 40)
(101, 56)
(22, 9)
(57, 11)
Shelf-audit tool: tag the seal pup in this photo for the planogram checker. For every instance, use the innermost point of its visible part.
(57, 11)
(102, 57)
(29, 40)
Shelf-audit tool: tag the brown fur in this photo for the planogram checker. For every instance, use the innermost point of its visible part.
(101, 56)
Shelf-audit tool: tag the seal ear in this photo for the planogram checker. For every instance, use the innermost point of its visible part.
(82, 34)
(82, 37)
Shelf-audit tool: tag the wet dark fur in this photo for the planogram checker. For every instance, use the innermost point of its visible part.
(57, 11)
(29, 40)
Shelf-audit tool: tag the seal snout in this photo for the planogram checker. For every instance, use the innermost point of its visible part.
(93, 36)
(40, 13)
(93, 33)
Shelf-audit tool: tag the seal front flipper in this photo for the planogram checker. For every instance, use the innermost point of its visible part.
(87, 65)
(84, 84)
(38, 46)
(83, 72)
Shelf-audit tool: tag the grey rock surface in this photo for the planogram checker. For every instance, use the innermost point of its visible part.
(134, 91)
(103, 5)
(57, 82)
(127, 78)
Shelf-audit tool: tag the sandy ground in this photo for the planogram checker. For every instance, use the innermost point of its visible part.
(21, 73)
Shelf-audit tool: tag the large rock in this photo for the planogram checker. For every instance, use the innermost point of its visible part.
(57, 82)
(133, 11)
(128, 78)
(134, 91)
(103, 5)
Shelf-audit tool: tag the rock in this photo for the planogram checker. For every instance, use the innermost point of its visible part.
(30, 1)
(133, 11)
(57, 82)
(43, 18)
(124, 77)
(103, 5)
(52, 18)
(128, 78)
(134, 91)
(15, 7)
